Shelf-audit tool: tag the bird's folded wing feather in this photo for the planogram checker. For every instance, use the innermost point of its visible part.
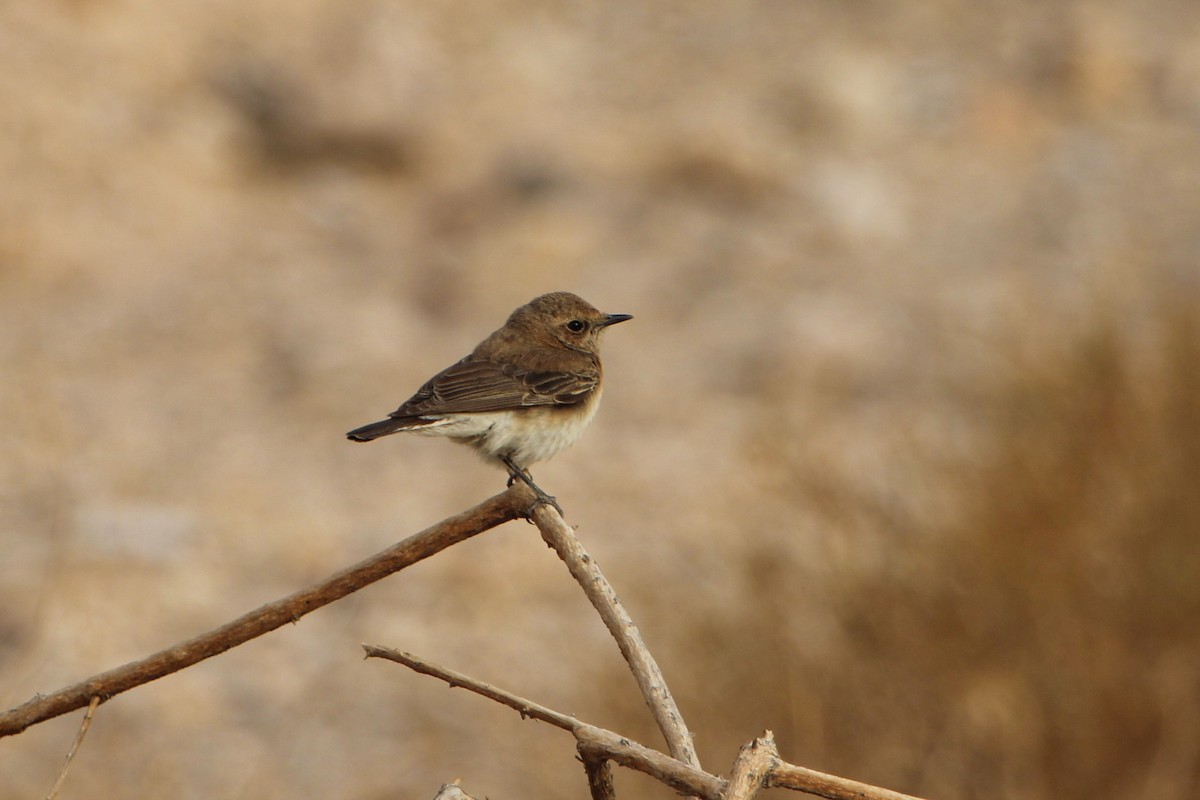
(476, 385)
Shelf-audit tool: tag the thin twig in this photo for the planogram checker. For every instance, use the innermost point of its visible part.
(603, 597)
(751, 768)
(83, 729)
(679, 776)
(526, 708)
(501, 508)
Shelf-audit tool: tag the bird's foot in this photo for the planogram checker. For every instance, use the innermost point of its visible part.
(544, 499)
(516, 473)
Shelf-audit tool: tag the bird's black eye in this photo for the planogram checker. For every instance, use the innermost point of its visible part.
(576, 326)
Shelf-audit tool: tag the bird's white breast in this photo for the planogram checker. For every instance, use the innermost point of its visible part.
(526, 435)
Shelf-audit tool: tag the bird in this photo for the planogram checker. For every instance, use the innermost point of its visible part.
(523, 395)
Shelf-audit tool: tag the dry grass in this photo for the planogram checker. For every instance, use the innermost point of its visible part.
(1024, 626)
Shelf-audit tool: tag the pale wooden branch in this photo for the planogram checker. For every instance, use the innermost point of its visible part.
(511, 504)
(751, 768)
(604, 599)
(83, 729)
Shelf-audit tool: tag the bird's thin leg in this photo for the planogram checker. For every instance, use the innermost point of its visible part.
(516, 473)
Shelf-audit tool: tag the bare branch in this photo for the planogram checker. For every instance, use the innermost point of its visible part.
(501, 508)
(83, 729)
(751, 768)
(603, 597)
(605, 743)
(526, 708)
(596, 746)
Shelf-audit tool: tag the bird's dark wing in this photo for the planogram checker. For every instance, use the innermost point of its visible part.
(480, 385)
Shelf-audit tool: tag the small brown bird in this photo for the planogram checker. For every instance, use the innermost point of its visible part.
(523, 395)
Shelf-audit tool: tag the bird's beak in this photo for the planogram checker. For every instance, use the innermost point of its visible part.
(613, 319)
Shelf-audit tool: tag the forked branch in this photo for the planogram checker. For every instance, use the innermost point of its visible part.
(758, 766)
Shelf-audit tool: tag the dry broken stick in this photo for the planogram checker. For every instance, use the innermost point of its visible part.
(758, 764)
(752, 768)
(452, 791)
(603, 597)
(508, 505)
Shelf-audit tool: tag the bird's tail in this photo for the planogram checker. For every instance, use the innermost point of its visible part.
(382, 428)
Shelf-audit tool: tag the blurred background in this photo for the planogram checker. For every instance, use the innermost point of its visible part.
(899, 458)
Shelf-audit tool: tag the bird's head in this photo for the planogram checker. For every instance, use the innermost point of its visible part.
(566, 320)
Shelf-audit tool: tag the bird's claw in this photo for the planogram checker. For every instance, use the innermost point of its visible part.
(516, 473)
(544, 499)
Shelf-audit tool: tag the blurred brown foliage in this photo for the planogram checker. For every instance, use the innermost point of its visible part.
(898, 459)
